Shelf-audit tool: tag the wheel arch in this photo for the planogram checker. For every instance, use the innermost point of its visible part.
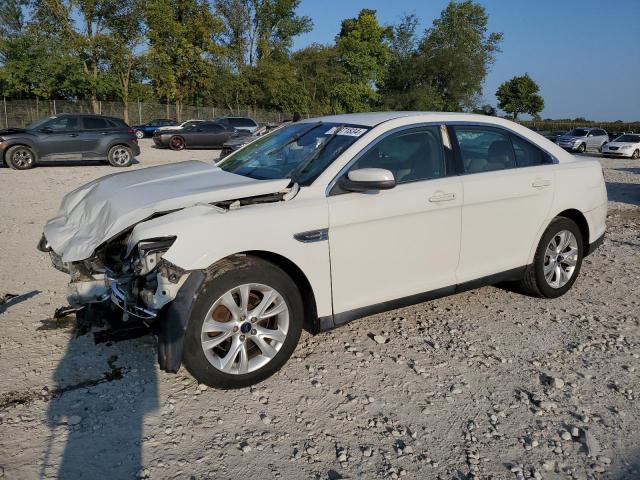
(19, 143)
(299, 278)
(578, 217)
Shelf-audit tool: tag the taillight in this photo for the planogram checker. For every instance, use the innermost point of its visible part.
(130, 131)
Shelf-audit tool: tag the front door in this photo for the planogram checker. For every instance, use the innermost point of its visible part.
(59, 139)
(391, 244)
(508, 190)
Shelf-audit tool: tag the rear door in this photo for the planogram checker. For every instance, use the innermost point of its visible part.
(508, 190)
(96, 135)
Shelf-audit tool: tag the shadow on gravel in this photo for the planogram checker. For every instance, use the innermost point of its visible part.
(76, 163)
(630, 170)
(624, 193)
(8, 299)
(97, 408)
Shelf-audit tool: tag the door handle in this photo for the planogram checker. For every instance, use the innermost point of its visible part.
(442, 197)
(540, 183)
(72, 135)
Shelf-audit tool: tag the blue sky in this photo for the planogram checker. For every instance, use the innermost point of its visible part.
(584, 54)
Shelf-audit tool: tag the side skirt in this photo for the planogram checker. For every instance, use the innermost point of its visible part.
(332, 321)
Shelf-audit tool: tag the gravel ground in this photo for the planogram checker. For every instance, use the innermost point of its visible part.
(485, 384)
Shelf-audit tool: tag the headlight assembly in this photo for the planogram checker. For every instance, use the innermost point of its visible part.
(149, 253)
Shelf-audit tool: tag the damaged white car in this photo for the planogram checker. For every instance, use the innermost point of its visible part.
(322, 222)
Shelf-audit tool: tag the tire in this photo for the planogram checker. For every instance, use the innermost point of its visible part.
(216, 367)
(20, 157)
(582, 148)
(177, 143)
(139, 134)
(535, 282)
(120, 156)
(636, 154)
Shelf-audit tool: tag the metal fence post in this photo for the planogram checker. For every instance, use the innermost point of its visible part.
(6, 119)
(139, 112)
(54, 107)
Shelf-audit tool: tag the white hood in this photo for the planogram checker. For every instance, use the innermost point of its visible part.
(104, 208)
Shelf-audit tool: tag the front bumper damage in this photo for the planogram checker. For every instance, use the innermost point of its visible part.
(140, 291)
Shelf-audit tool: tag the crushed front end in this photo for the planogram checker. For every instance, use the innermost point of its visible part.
(140, 283)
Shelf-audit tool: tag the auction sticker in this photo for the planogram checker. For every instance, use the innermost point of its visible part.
(347, 131)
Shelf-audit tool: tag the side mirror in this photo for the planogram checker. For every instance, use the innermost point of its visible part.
(365, 179)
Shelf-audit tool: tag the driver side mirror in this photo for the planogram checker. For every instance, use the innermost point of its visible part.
(366, 179)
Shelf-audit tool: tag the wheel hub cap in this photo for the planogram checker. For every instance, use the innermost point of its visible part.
(561, 258)
(245, 328)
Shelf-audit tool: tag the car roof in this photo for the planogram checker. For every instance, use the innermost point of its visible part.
(372, 119)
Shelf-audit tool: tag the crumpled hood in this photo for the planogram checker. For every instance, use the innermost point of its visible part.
(104, 208)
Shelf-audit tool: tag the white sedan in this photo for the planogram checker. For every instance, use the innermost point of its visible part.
(627, 145)
(322, 222)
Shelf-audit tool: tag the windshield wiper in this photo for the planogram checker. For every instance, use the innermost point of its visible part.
(295, 138)
(305, 163)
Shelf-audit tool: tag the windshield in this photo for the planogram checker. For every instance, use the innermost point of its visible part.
(39, 123)
(628, 138)
(301, 152)
(579, 132)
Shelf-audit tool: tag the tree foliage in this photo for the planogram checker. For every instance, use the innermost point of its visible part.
(520, 95)
(235, 53)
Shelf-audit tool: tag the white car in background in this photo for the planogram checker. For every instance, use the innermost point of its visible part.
(185, 124)
(627, 145)
(322, 222)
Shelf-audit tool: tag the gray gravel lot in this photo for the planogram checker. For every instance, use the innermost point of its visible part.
(485, 384)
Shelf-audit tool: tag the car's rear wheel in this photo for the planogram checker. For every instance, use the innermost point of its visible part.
(20, 157)
(636, 154)
(582, 148)
(245, 324)
(139, 134)
(120, 156)
(557, 261)
(177, 143)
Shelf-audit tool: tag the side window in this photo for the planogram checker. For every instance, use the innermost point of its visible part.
(484, 149)
(527, 154)
(63, 124)
(411, 155)
(94, 123)
(211, 127)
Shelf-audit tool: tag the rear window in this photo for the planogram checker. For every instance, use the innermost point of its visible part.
(94, 123)
(484, 149)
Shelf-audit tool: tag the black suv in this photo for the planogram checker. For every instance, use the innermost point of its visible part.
(69, 137)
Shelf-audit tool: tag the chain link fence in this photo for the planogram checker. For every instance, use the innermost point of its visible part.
(20, 113)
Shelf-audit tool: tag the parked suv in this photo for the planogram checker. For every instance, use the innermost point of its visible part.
(322, 222)
(583, 139)
(69, 137)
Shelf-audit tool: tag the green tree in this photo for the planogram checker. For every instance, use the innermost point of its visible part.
(121, 49)
(181, 37)
(457, 52)
(363, 50)
(520, 95)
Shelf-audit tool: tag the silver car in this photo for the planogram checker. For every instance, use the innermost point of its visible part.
(583, 139)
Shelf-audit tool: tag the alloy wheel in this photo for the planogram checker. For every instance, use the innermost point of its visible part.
(245, 328)
(560, 259)
(22, 158)
(121, 156)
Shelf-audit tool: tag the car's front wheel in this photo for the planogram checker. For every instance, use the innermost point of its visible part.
(582, 148)
(245, 324)
(20, 157)
(557, 261)
(177, 143)
(120, 156)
